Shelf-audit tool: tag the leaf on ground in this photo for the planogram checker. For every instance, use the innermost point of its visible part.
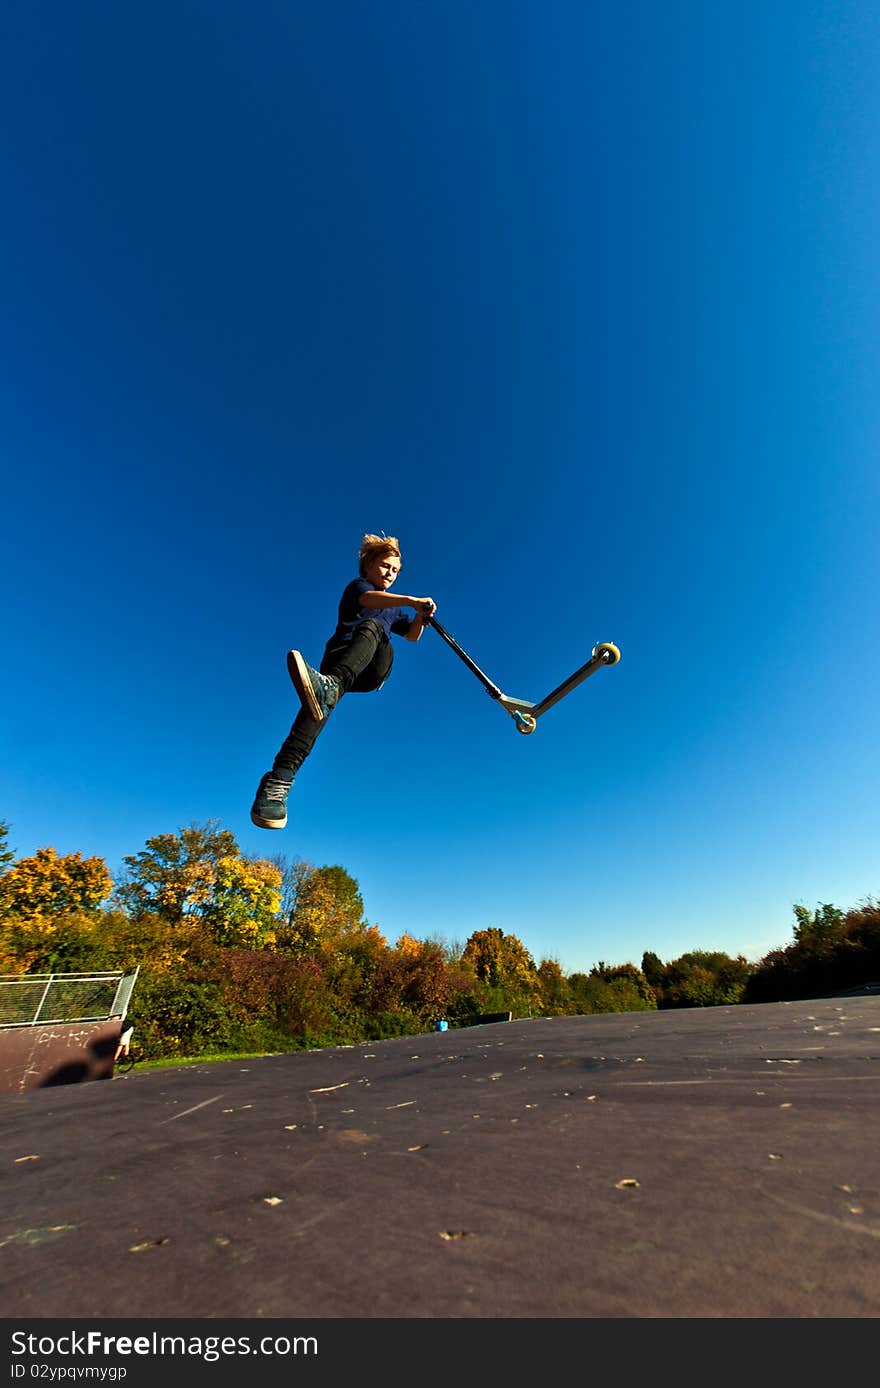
(30, 1237)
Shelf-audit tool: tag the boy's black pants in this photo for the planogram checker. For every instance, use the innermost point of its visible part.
(361, 666)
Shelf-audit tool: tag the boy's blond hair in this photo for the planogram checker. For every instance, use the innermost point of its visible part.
(376, 547)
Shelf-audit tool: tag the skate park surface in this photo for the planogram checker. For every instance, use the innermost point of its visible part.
(699, 1163)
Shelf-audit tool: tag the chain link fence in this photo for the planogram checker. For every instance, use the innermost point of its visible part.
(30, 1000)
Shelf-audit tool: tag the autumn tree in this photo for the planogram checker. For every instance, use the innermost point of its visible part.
(554, 993)
(46, 884)
(175, 874)
(49, 909)
(200, 874)
(243, 908)
(505, 968)
(262, 1000)
(429, 985)
(326, 909)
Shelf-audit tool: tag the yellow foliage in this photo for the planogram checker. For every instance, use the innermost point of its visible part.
(45, 884)
(408, 947)
(176, 874)
(327, 911)
(245, 902)
(500, 959)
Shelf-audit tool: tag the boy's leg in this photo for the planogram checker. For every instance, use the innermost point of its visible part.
(269, 810)
(362, 665)
(341, 668)
(376, 673)
(296, 746)
(354, 664)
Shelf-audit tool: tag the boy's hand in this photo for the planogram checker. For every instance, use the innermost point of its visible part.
(426, 608)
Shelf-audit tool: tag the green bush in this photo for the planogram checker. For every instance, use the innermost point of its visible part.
(392, 1023)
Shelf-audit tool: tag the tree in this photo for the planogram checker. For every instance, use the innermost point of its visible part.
(200, 873)
(628, 987)
(62, 942)
(175, 874)
(832, 951)
(821, 929)
(653, 969)
(6, 854)
(505, 968)
(590, 993)
(243, 909)
(703, 978)
(553, 990)
(326, 909)
(427, 983)
(48, 885)
(49, 911)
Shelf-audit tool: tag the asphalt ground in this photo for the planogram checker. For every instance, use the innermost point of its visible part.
(703, 1163)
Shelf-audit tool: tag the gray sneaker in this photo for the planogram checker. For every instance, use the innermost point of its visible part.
(269, 810)
(319, 694)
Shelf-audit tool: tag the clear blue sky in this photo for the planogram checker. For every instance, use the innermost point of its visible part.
(581, 302)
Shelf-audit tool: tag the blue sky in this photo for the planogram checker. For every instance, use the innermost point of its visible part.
(579, 301)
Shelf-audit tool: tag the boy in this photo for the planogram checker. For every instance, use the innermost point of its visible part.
(357, 659)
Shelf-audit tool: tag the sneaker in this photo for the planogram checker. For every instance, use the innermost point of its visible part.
(319, 694)
(269, 810)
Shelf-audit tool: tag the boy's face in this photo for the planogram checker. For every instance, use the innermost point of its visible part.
(382, 571)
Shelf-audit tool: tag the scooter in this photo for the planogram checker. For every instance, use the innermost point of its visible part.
(524, 713)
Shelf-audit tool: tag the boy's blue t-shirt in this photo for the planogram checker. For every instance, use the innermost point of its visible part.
(351, 614)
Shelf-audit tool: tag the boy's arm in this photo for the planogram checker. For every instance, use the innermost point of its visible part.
(374, 599)
(416, 626)
(424, 608)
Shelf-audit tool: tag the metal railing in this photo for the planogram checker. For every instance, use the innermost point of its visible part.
(31, 1000)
